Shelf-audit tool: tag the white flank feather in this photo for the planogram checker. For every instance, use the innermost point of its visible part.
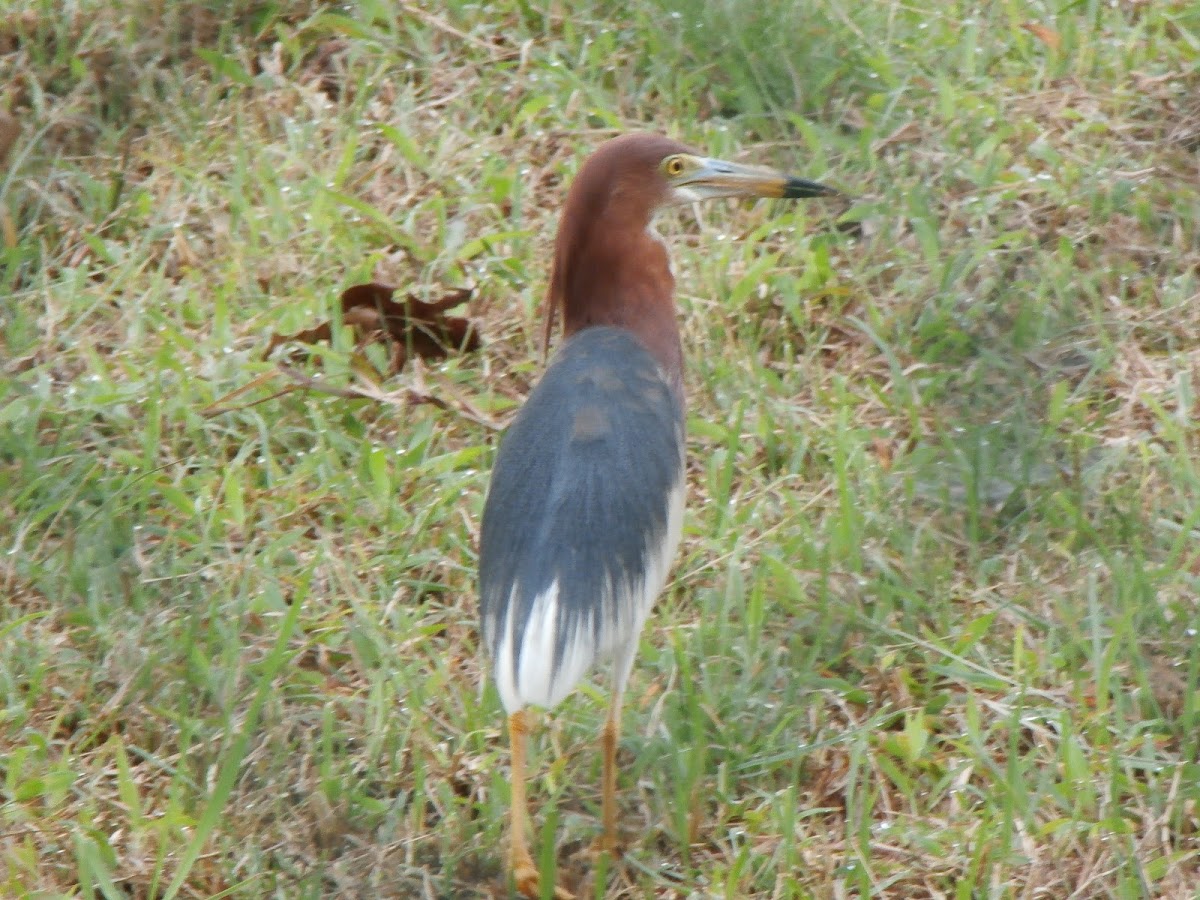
(534, 682)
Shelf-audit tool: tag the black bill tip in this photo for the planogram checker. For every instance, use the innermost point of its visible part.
(798, 188)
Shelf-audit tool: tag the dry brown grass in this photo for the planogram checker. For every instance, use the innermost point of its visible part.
(951, 460)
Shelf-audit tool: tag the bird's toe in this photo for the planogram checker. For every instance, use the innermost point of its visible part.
(528, 881)
(610, 844)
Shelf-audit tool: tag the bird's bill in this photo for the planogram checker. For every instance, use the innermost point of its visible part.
(707, 179)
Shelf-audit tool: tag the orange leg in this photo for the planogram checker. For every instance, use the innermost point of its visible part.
(608, 740)
(525, 874)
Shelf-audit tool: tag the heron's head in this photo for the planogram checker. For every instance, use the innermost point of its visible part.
(627, 179)
(609, 265)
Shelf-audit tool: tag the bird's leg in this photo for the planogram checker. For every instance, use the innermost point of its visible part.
(525, 874)
(608, 741)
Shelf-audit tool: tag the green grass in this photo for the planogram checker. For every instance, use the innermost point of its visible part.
(933, 631)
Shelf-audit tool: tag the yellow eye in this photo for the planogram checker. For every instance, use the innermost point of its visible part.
(673, 166)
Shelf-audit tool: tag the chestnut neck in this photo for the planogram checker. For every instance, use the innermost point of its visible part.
(610, 267)
(614, 270)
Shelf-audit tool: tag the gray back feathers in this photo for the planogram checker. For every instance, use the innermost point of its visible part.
(580, 494)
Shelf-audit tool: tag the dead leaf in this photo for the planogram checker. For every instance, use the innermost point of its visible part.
(909, 131)
(220, 406)
(327, 68)
(883, 452)
(182, 257)
(8, 228)
(409, 328)
(1168, 683)
(10, 130)
(1047, 36)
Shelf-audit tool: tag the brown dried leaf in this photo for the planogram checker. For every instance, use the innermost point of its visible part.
(907, 133)
(325, 68)
(322, 332)
(883, 452)
(8, 229)
(1168, 683)
(10, 130)
(1047, 36)
(408, 327)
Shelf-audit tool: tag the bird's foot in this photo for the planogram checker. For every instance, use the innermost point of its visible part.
(528, 881)
(608, 843)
